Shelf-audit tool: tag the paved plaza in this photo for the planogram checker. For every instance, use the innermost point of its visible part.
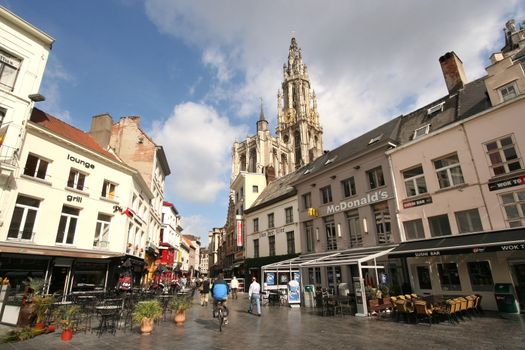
(285, 328)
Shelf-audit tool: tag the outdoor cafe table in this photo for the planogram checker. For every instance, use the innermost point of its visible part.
(108, 315)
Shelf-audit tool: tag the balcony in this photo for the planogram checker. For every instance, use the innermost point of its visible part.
(8, 160)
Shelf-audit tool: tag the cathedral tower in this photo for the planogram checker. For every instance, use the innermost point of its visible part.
(298, 118)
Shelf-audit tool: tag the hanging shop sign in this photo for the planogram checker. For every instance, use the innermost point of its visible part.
(515, 181)
(239, 233)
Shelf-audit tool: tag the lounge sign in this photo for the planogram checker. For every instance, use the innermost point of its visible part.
(359, 202)
(515, 181)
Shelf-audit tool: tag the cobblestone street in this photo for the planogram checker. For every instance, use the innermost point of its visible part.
(285, 328)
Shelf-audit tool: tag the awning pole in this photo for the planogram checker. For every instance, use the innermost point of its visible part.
(363, 294)
(377, 276)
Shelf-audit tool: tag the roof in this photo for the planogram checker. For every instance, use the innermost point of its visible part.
(67, 131)
(463, 243)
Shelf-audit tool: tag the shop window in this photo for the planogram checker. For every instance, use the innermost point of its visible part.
(271, 223)
(256, 225)
(326, 194)
(383, 223)
(102, 231)
(290, 242)
(414, 181)
(288, 212)
(76, 180)
(36, 167)
(423, 276)
(480, 276)
(503, 156)
(309, 231)
(508, 91)
(255, 248)
(108, 190)
(375, 178)
(67, 225)
(271, 245)
(448, 171)
(514, 205)
(331, 238)
(307, 200)
(354, 229)
(439, 225)
(449, 276)
(24, 218)
(349, 187)
(469, 221)
(9, 67)
(414, 229)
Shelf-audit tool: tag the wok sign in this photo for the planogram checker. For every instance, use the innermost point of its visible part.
(515, 181)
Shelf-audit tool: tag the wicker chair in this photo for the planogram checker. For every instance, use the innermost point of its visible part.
(423, 311)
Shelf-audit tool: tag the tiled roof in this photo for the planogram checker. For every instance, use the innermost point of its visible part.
(67, 131)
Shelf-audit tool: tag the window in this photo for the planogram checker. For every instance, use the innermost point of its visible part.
(448, 171)
(508, 92)
(331, 239)
(67, 225)
(255, 189)
(435, 109)
(375, 178)
(271, 245)
(9, 66)
(309, 231)
(349, 187)
(503, 156)
(76, 180)
(421, 131)
(480, 276)
(449, 276)
(288, 212)
(108, 190)
(256, 225)
(354, 228)
(383, 226)
(469, 221)
(414, 229)
(439, 225)
(307, 200)
(414, 181)
(24, 218)
(326, 194)
(36, 167)
(271, 224)
(102, 231)
(3, 111)
(423, 276)
(290, 242)
(514, 205)
(255, 248)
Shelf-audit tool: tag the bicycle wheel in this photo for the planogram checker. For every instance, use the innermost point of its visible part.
(221, 319)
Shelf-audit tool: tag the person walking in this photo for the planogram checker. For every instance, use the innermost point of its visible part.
(205, 291)
(234, 285)
(254, 295)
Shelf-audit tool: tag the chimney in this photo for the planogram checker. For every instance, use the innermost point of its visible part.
(101, 129)
(453, 72)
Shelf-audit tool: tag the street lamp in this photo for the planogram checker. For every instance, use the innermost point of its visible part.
(37, 97)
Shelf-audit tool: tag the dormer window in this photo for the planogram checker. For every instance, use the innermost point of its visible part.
(421, 131)
(435, 109)
(331, 160)
(375, 139)
(508, 91)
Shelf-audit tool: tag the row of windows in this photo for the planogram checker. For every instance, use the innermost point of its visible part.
(38, 167)
(288, 213)
(479, 272)
(290, 244)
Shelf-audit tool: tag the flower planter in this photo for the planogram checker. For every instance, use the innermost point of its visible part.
(146, 326)
(40, 325)
(180, 317)
(66, 335)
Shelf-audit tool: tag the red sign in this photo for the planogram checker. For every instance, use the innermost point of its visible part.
(239, 233)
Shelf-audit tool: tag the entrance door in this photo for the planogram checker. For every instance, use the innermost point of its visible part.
(59, 278)
(519, 275)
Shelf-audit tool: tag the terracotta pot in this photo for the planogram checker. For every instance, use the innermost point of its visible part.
(67, 334)
(146, 326)
(50, 328)
(180, 317)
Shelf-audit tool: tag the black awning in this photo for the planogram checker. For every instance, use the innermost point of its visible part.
(482, 242)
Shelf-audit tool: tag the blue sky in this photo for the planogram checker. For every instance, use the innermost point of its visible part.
(194, 71)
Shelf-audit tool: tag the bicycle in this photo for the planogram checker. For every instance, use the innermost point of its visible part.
(221, 313)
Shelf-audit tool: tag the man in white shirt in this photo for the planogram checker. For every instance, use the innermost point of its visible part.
(254, 295)
(234, 285)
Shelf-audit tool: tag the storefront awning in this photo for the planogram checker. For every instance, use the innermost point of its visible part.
(17, 248)
(332, 258)
(481, 242)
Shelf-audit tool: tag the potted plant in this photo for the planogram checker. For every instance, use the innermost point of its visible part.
(179, 304)
(42, 304)
(146, 312)
(65, 316)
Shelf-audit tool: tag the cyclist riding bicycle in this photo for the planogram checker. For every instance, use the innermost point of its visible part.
(220, 293)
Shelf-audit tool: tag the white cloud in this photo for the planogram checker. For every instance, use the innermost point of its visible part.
(197, 142)
(197, 225)
(368, 61)
(54, 77)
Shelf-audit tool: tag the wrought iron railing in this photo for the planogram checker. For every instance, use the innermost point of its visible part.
(8, 155)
